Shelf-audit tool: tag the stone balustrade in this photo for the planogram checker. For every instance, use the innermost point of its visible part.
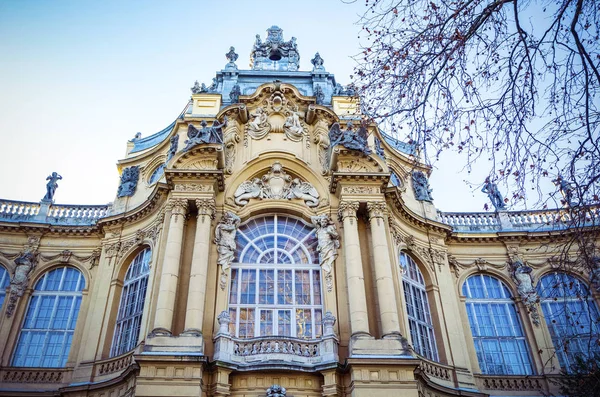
(34, 375)
(436, 370)
(535, 220)
(56, 214)
(512, 382)
(113, 365)
(276, 350)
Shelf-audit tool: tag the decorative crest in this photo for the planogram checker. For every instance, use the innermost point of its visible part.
(275, 53)
(421, 186)
(129, 180)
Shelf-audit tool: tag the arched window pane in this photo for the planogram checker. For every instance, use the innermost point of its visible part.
(571, 316)
(417, 307)
(131, 306)
(275, 284)
(4, 282)
(497, 333)
(157, 174)
(45, 338)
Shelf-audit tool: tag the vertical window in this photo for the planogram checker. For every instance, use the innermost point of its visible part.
(157, 174)
(571, 316)
(131, 307)
(417, 307)
(47, 332)
(4, 281)
(497, 333)
(276, 283)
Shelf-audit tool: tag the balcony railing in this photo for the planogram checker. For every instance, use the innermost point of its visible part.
(536, 220)
(55, 214)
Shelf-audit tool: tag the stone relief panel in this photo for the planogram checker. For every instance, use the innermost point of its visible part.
(276, 184)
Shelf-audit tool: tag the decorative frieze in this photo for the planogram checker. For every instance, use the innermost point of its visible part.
(360, 190)
(193, 187)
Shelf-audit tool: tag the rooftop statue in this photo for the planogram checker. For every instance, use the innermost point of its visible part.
(205, 134)
(51, 186)
(274, 53)
(349, 138)
(339, 90)
(491, 189)
(565, 188)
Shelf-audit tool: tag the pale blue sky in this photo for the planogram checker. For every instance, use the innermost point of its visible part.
(79, 78)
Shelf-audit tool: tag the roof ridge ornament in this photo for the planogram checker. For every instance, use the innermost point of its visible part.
(274, 53)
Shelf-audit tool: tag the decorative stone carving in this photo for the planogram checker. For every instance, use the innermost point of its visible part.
(339, 90)
(275, 53)
(276, 184)
(360, 189)
(173, 148)
(595, 273)
(319, 95)
(317, 63)
(206, 208)
(234, 95)
(51, 186)
(24, 265)
(421, 186)
(376, 210)
(94, 258)
(352, 166)
(348, 209)
(193, 187)
(521, 273)
(293, 128)
(321, 138)
(379, 149)
(197, 88)
(205, 134)
(224, 320)
(276, 391)
(328, 243)
(491, 189)
(350, 138)
(230, 140)
(258, 127)
(328, 322)
(129, 180)
(178, 208)
(225, 240)
(231, 57)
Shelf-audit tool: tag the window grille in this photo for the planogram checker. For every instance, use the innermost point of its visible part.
(275, 284)
(131, 306)
(499, 340)
(417, 307)
(47, 332)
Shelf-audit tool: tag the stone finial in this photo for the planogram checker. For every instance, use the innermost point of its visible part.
(51, 186)
(224, 320)
(231, 56)
(317, 63)
(328, 322)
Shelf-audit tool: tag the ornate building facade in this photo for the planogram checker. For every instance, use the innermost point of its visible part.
(269, 242)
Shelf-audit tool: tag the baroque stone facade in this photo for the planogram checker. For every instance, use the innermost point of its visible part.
(266, 244)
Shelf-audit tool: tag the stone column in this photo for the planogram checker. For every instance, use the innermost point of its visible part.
(165, 305)
(388, 310)
(194, 315)
(359, 321)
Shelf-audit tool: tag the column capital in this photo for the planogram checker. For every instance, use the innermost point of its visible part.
(377, 210)
(206, 207)
(347, 209)
(177, 206)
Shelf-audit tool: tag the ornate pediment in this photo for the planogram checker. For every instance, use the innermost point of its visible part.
(276, 184)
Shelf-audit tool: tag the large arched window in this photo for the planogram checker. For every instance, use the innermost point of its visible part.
(4, 281)
(571, 315)
(417, 306)
(131, 307)
(497, 333)
(276, 282)
(47, 332)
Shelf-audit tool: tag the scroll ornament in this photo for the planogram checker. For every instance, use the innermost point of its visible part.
(276, 184)
(328, 242)
(225, 240)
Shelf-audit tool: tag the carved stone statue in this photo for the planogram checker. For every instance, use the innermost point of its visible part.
(173, 147)
(276, 184)
(248, 190)
(205, 134)
(225, 241)
(339, 90)
(319, 95)
(317, 63)
(293, 127)
(595, 273)
(565, 188)
(276, 391)
(349, 138)
(274, 53)
(129, 180)
(234, 95)
(328, 243)
(51, 186)
(198, 89)
(522, 275)
(24, 265)
(421, 186)
(258, 126)
(491, 189)
(379, 149)
(304, 191)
